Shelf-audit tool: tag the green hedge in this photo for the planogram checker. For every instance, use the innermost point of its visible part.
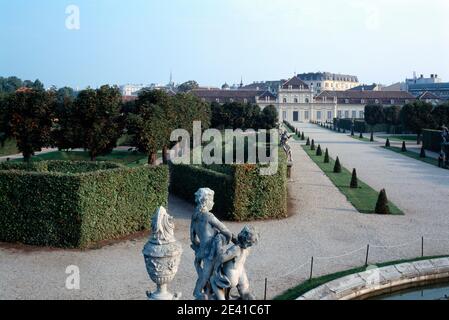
(362, 126)
(432, 140)
(241, 195)
(57, 205)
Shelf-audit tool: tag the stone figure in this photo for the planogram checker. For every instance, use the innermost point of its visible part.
(229, 270)
(162, 255)
(286, 145)
(203, 230)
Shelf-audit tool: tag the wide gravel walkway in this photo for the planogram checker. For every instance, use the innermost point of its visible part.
(323, 224)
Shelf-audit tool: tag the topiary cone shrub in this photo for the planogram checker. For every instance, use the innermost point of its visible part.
(303, 137)
(387, 144)
(352, 132)
(308, 142)
(312, 146)
(354, 182)
(319, 152)
(382, 203)
(372, 137)
(337, 166)
(326, 156)
(361, 135)
(423, 152)
(404, 147)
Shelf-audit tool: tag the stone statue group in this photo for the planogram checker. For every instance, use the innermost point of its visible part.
(220, 256)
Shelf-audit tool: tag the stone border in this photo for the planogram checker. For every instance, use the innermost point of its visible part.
(375, 280)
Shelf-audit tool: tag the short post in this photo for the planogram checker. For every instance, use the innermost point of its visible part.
(367, 256)
(422, 247)
(265, 292)
(311, 269)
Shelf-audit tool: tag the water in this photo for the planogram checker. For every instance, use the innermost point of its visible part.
(433, 292)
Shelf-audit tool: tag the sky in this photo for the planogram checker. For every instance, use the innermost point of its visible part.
(83, 43)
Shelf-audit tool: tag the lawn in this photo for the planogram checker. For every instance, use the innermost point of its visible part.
(364, 198)
(414, 155)
(357, 137)
(128, 158)
(9, 148)
(400, 138)
(309, 285)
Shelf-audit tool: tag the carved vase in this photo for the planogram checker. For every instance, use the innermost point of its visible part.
(162, 255)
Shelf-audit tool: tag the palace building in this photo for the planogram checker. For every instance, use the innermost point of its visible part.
(296, 101)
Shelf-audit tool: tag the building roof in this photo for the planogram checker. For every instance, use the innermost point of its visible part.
(322, 76)
(267, 95)
(365, 97)
(429, 86)
(365, 87)
(295, 83)
(223, 96)
(428, 96)
(265, 85)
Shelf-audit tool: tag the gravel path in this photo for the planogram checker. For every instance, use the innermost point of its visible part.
(323, 224)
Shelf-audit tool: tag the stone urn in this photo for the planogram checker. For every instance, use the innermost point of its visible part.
(162, 255)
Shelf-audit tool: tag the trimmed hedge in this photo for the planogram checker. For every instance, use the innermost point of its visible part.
(432, 140)
(75, 204)
(362, 126)
(241, 195)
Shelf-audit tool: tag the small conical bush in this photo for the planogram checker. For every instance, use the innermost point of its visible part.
(312, 146)
(319, 152)
(361, 135)
(303, 136)
(326, 156)
(308, 142)
(352, 132)
(404, 147)
(387, 144)
(372, 137)
(382, 203)
(337, 166)
(354, 181)
(423, 152)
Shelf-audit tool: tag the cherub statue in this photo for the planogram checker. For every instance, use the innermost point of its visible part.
(229, 269)
(203, 230)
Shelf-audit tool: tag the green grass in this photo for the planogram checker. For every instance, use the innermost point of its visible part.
(400, 138)
(9, 148)
(130, 159)
(364, 198)
(295, 136)
(357, 137)
(308, 285)
(414, 155)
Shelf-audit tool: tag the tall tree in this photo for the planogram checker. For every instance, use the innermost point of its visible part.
(28, 119)
(440, 114)
(269, 117)
(417, 116)
(188, 86)
(94, 121)
(374, 114)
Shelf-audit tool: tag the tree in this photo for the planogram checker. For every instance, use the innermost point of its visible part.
(382, 203)
(417, 116)
(387, 143)
(361, 135)
(94, 121)
(393, 115)
(308, 142)
(354, 181)
(404, 147)
(319, 152)
(188, 86)
(28, 118)
(374, 114)
(326, 156)
(423, 153)
(312, 146)
(440, 114)
(372, 137)
(269, 118)
(337, 166)
(303, 136)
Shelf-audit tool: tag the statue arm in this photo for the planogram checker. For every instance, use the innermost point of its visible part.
(217, 224)
(230, 254)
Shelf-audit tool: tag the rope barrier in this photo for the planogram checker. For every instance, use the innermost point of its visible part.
(396, 246)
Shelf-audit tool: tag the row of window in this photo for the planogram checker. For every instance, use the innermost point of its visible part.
(295, 100)
(320, 114)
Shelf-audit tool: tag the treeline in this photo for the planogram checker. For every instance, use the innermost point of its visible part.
(413, 117)
(95, 119)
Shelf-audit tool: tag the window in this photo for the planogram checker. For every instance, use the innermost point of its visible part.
(347, 101)
(354, 114)
(307, 100)
(318, 115)
(295, 116)
(339, 114)
(306, 115)
(284, 115)
(329, 115)
(347, 114)
(361, 114)
(285, 100)
(296, 100)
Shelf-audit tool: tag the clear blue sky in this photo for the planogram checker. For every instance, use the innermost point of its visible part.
(213, 41)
